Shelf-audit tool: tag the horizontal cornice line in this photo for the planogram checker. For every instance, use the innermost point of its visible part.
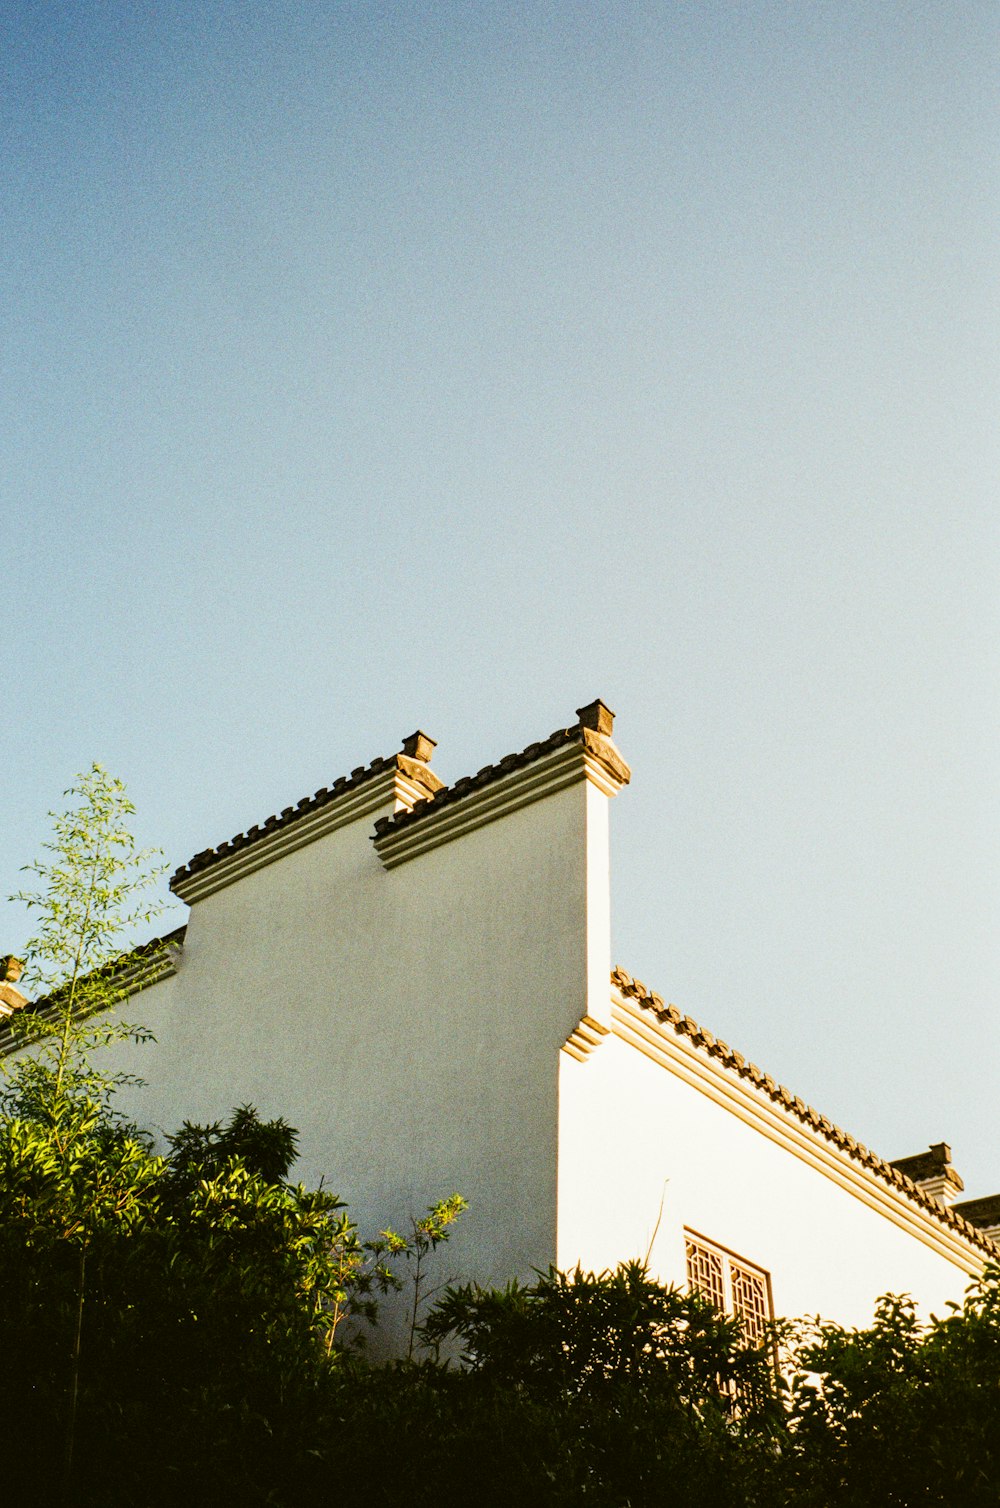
(565, 767)
(152, 972)
(121, 986)
(712, 1079)
(350, 807)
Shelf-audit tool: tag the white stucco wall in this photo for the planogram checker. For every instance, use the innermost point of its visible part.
(407, 1022)
(633, 1133)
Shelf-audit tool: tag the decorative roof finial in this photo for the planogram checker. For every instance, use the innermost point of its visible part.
(419, 746)
(597, 716)
(11, 1000)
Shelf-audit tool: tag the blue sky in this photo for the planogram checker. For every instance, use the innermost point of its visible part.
(368, 366)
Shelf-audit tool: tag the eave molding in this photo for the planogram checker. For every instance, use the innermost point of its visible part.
(390, 788)
(161, 964)
(710, 1077)
(567, 765)
(158, 960)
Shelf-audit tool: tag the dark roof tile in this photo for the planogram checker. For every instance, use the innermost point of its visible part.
(985, 1211)
(415, 769)
(128, 966)
(597, 743)
(981, 1212)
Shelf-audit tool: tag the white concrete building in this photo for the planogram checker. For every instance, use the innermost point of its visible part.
(418, 977)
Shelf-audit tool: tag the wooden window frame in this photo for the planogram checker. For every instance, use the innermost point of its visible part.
(728, 1260)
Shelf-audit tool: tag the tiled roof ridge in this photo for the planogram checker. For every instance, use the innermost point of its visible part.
(131, 958)
(147, 949)
(578, 734)
(165, 941)
(934, 1163)
(986, 1209)
(684, 1026)
(125, 965)
(289, 814)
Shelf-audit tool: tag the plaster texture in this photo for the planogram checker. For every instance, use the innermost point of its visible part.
(434, 1013)
(645, 1156)
(408, 1022)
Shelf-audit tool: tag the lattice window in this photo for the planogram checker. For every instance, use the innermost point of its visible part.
(731, 1284)
(750, 1301)
(705, 1272)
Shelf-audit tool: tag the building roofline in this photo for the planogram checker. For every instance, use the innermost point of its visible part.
(792, 1105)
(145, 965)
(592, 732)
(421, 790)
(984, 1211)
(413, 769)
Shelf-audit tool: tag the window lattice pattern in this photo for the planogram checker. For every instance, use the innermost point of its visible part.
(750, 1302)
(730, 1286)
(704, 1270)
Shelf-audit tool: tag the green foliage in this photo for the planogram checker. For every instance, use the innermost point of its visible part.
(190, 1301)
(900, 1412)
(59, 1139)
(426, 1235)
(580, 1333)
(609, 1387)
(174, 1329)
(87, 907)
(267, 1148)
(196, 1305)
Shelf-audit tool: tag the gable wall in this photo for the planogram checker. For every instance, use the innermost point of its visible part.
(633, 1133)
(407, 1022)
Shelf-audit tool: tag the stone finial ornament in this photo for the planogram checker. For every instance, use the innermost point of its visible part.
(933, 1172)
(11, 969)
(420, 746)
(598, 717)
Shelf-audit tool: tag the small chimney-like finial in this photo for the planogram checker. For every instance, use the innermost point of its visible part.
(11, 1000)
(597, 716)
(933, 1172)
(419, 746)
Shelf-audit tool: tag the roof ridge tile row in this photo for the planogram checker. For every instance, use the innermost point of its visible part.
(577, 734)
(126, 964)
(685, 1026)
(289, 814)
(593, 731)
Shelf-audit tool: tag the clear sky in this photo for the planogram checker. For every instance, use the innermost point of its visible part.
(367, 366)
